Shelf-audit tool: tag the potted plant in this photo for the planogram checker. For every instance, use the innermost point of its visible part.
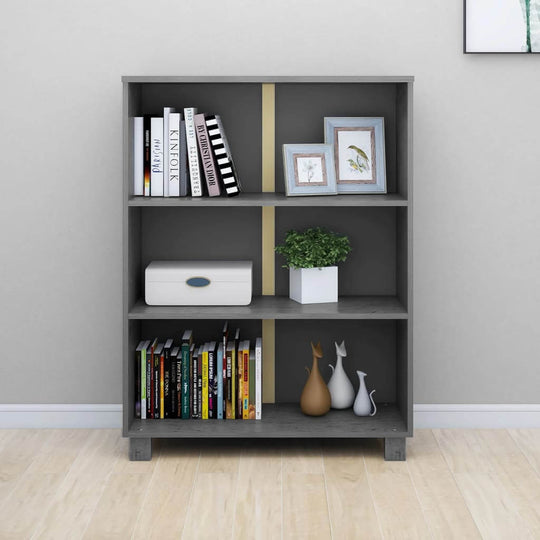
(312, 256)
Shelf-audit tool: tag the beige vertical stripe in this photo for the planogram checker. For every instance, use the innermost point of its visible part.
(268, 237)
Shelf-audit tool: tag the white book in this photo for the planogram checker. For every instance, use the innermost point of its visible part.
(193, 153)
(166, 112)
(138, 155)
(174, 154)
(156, 157)
(258, 379)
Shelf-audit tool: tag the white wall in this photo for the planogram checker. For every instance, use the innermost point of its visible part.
(477, 181)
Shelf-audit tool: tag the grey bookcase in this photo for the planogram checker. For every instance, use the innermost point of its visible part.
(374, 312)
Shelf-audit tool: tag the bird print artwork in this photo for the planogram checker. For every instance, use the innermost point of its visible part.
(360, 161)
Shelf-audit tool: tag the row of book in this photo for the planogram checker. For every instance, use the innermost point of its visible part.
(177, 156)
(220, 380)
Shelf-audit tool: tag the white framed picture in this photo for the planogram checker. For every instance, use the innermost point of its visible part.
(504, 26)
(309, 169)
(359, 153)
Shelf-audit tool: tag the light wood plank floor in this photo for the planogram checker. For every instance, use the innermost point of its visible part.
(457, 484)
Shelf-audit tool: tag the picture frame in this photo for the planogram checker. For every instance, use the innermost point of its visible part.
(359, 153)
(309, 169)
(502, 27)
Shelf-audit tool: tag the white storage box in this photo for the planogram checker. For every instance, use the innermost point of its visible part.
(198, 283)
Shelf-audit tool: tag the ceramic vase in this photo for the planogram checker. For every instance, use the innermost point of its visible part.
(339, 385)
(364, 401)
(315, 399)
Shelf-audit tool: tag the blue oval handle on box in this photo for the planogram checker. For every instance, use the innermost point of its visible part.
(198, 282)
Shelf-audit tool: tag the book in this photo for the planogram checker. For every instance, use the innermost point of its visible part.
(219, 392)
(258, 378)
(194, 384)
(156, 147)
(174, 154)
(199, 380)
(225, 338)
(162, 384)
(150, 379)
(251, 408)
(193, 154)
(236, 409)
(184, 174)
(187, 351)
(212, 379)
(138, 155)
(176, 380)
(229, 391)
(240, 380)
(222, 154)
(140, 380)
(207, 157)
(157, 380)
(167, 379)
(147, 156)
(166, 124)
(204, 403)
(245, 381)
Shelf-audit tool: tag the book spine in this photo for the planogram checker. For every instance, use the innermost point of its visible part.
(222, 154)
(251, 414)
(156, 178)
(173, 396)
(147, 156)
(193, 154)
(185, 380)
(156, 384)
(234, 376)
(142, 367)
(211, 374)
(228, 387)
(207, 158)
(219, 393)
(245, 385)
(184, 175)
(166, 113)
(258, 379)
(194, 386)
(239, 381)
(199, 386)
(179, 384)
(174, 154)
(204, 409)
(138, 155)
(149, 385)
(162, 386)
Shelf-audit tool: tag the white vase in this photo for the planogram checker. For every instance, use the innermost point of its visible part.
(313, 285)
(364, 401)
(340, 386)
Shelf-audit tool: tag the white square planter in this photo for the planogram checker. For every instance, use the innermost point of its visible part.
(313, 285)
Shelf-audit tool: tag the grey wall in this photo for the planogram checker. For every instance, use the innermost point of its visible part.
(477, 192)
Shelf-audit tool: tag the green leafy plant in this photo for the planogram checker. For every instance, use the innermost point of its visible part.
(313, 248)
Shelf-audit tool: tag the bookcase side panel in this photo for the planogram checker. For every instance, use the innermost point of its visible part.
(404, 372)
(129, 375)
(371, 347)
(238, 104)
(301, 108)
(404, 137)
(370, 268)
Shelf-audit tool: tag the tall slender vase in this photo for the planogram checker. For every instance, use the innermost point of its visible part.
(315, 399)
(364, 401)
(339, 385)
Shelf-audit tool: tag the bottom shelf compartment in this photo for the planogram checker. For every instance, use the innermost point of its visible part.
(281, 420)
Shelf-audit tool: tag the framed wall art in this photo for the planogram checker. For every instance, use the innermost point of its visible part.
(309, 169)
(501, 26)
(359, 156)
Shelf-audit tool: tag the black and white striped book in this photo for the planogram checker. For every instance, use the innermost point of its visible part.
(222, 155)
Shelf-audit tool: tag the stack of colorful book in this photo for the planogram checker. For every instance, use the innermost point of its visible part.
(219, 379)
(175, 156)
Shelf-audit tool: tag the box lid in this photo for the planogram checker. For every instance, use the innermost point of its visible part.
(213, 271)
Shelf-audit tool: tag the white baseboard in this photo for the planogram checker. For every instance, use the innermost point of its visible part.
(60, 416)
(476, 416)
(425, 416)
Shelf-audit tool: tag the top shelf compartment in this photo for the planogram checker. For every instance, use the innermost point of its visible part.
(273, 199)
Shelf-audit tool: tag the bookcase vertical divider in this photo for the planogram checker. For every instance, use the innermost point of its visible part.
(268, 216)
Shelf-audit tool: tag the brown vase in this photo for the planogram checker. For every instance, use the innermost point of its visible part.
(315, 399)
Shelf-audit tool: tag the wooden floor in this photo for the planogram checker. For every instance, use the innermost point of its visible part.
(455, 484)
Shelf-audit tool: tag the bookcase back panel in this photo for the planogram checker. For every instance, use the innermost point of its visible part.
(370, 268)
(371, 348)
(203, 233)
(238, 104)
(301, 108)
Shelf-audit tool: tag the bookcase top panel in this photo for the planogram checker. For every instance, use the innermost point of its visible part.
(257, 79)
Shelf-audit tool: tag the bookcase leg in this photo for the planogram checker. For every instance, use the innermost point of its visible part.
(394, 449)
(140, 449)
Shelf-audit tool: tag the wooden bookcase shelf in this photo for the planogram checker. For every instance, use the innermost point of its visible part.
(374, 312)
